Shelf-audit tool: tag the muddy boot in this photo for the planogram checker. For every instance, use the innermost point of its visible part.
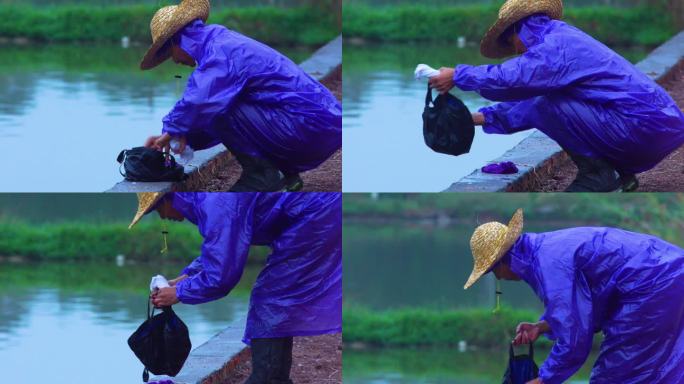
(271, 361)
(258, 175)
(629, 182)
(594, 175)
(293, 182)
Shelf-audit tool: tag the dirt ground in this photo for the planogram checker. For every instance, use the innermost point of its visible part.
(326, 178)
(668, 176)
(315, 360)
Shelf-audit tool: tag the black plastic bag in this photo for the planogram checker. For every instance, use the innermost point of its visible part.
(147, 164)
(448, 126)
(521, 368)
(162, 343)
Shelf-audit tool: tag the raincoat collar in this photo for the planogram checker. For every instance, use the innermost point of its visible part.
(532, 29)
(194, 37)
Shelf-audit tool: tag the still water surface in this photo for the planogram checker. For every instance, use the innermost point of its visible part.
(69, 323)
(383, 103)
(67, 110)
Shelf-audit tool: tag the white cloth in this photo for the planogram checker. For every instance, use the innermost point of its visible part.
(158, 282)
(424, 71)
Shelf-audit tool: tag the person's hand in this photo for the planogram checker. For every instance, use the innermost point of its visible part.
(535, 381)
(160, 143)
(478, 118)
(526, 333)
(177, 280)
(444, 81)
(164, 297)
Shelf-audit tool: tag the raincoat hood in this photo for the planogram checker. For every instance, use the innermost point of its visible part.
(532, 29)
(193, 38)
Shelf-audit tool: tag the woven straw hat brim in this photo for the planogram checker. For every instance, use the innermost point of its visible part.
(513, 232)
(146, 200)
(165, 23)
(510, 13)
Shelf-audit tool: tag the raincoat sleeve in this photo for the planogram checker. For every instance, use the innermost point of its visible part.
(544, 68)
(569, 312)
(506, 118)
(226, 228)
(210, 91)
(193, 268)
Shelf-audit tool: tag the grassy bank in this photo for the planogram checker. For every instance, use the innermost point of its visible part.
(102, 242)
(425, 327)
(614, 26)
(79, 23)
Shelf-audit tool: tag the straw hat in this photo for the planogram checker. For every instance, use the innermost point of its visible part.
(510, 13)
(490, 242)
(146, 200)
(166, 22)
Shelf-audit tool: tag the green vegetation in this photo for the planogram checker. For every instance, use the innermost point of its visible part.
(427, 327)
(658, 214)
(102, 242)
(100, 277)
(613, 26)
(80, 23)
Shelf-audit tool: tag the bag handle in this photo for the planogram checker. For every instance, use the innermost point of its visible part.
(530, 352)
(428, 97)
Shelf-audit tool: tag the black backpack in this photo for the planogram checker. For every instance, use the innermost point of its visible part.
(448, 126)
(147, 164)
(521, 368)
(162, 343)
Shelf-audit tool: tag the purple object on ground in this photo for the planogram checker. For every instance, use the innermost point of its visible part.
(503, 168)
(299, 290)
(580, 93)
(627, 285)
(254, 100)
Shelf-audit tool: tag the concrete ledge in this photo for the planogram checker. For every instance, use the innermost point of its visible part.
(537, 155)
(323, 62)
(214, 361)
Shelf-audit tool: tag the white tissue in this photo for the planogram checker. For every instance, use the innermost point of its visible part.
(186, 156)
(424, 71)
(158, 282)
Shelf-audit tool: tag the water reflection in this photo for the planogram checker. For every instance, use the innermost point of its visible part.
(67, 110)
(78, 330)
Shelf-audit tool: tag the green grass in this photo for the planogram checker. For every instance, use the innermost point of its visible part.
(80, 23)
(102, 242)
(613, 26)
(427, 327)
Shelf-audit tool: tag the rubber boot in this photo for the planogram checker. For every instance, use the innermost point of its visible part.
(293, 182)
(594, 175)
(258, 175)
(271, 361)
(630, 183)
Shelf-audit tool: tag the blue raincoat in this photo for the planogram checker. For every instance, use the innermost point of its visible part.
(254, 100)
(299, 290)
(627, 285)
(581, 94)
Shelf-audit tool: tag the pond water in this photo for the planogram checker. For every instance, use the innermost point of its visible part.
(69, 323)
(382, 124)
(67, 110)
(436, 366)
(421, 264)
